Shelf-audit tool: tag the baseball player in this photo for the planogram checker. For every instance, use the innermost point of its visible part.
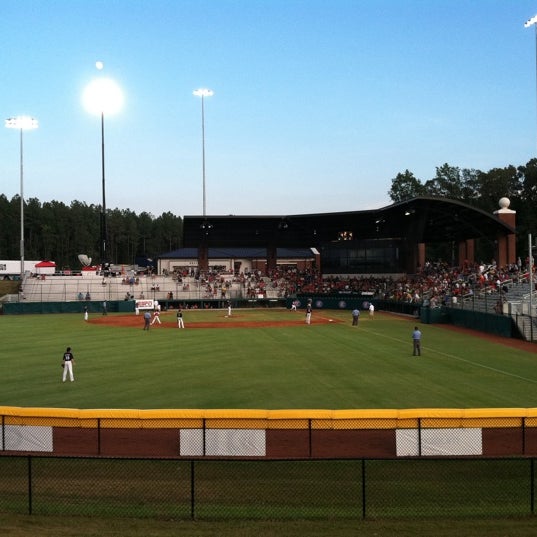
(67, 364)
(156, 317)
(308, 312)
(180, 323)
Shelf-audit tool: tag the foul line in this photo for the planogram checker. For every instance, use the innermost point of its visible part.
(452, 356)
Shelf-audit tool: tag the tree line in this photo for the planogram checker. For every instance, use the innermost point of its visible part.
(59, 232)
(480, 189)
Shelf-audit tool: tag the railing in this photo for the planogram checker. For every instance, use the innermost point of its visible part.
(263, 490)
(268, 464)
(79, 288)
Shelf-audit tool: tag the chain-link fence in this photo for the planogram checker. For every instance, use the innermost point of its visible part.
(261, 489)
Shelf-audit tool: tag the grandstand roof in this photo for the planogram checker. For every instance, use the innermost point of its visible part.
(422, 219)
(240, 253)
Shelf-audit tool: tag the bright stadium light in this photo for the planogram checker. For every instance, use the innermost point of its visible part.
(528, 24)
(103, 97)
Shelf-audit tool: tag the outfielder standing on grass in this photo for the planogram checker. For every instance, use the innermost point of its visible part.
(67, 364)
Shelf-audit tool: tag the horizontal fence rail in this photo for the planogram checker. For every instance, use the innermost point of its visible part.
(261, 489)
(270, 434)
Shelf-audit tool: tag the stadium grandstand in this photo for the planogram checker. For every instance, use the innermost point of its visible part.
(381, 254)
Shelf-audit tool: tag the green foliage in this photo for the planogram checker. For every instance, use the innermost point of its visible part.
(60, 232)
(480, 189)
(405, 186)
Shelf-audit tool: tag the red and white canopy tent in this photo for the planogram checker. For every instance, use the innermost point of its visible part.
(45, 267)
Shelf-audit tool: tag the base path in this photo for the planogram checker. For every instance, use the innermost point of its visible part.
(137, 321)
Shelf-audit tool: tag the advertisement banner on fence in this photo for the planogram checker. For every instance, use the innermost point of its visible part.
(145, 305)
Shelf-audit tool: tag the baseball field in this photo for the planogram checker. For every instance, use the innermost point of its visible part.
(267, 359)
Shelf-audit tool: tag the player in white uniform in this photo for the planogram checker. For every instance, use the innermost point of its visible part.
(156, 317)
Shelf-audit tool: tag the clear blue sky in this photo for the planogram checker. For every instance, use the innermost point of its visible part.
(318, 104)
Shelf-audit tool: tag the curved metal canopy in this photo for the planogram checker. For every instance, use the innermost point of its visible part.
(423, 219)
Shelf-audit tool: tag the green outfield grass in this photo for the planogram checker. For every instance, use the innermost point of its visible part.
(332, 366)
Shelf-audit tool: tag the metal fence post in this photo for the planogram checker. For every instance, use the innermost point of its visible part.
(192, 491)
(363, 490)
(419, 437)
(204, 437)
(532, 485)
(29, 485)
(98, 436)
(523, 435)
(310, 440)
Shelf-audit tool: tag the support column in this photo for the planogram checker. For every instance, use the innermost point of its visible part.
(506, 249)
(203, 257)
(463, 254)
(466, 252)
(421, 255)
(470, 251)
(272, 258)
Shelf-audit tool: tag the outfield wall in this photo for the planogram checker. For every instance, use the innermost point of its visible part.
(270, 434)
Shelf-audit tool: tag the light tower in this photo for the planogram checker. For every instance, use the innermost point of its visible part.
(22, 123)
(103, 96)
(203, 92)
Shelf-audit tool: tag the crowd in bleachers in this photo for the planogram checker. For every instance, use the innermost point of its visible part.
(436, 283)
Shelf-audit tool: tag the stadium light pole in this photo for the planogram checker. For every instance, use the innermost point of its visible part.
(103, 97)
(203, 92)
(528, 24)
(22, 123)
(530, 275)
